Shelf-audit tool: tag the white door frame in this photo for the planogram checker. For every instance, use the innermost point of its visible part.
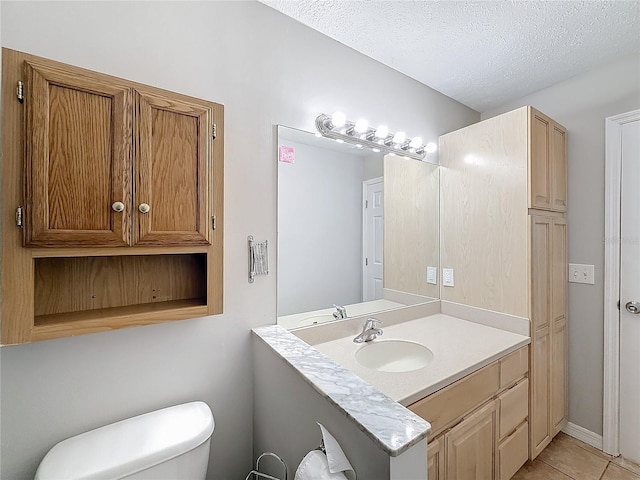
(613, 177)
(365, 185)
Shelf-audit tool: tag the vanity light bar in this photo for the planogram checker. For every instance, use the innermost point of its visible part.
(358, 133)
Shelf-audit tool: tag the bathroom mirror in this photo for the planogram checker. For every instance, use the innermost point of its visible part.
(356, 229)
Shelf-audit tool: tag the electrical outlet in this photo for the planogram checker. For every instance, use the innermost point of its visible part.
(432, 275)
(447, 277)
(579, 273)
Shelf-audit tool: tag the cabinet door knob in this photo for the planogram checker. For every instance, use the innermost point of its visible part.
(144, 208)
(118, 206)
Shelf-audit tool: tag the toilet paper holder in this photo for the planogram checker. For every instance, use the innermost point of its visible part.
(255, 474)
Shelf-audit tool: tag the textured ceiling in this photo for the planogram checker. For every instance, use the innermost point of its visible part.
(481, 53)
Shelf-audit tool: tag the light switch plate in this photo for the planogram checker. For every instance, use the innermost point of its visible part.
(579, 273)
(432, 275)
(447, 277)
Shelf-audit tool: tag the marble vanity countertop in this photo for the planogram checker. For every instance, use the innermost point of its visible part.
(459, 347)
(391, 426)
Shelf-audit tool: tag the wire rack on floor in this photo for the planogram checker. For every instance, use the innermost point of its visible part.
(256, 474)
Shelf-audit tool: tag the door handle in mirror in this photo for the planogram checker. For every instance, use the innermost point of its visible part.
(633, 307)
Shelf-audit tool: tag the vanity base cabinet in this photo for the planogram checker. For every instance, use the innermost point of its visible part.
(480, 423)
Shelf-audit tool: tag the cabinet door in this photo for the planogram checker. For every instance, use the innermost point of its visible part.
(435, 459)
(540, 170)
(541, 273)
(540, 387)
(172, 161)
(470, 446)
(559, 337)
(540, 227)
(558, 161)
(78, 157)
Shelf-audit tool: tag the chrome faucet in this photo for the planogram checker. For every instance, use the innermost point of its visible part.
(369, 331)
(341, 312)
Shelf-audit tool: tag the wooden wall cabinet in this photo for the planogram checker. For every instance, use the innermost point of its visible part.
(504, 195)
(479, 424)
(120, 189)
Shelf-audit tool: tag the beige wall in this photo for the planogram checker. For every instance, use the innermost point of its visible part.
(581, 104)
(266, 69)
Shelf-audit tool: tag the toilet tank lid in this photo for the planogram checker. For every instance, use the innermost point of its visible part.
(131, 445)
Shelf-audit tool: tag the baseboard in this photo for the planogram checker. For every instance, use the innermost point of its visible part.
(583, 435)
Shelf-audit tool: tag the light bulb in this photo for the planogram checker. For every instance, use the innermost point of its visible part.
(382, 131)
(339, 140)
(431, 147)
(358, 145)
(416, 142)
(361, 126)
(338, 119)
(377, 150)
(399, 138)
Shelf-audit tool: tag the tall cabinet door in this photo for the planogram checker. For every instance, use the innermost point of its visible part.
(541, 256)
(559, 337)
(558, 160)
(540, 168)
(172, 158)
(547, 163)
(78, 158)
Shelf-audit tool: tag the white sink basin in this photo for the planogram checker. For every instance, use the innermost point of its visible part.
(315, 320)
(394, 356)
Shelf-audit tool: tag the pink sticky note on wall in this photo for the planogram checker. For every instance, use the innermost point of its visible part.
(287, 154)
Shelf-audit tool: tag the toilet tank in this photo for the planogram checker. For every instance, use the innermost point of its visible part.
(172, 443)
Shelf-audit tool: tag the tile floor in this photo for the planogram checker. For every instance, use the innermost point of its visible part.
(569, 459)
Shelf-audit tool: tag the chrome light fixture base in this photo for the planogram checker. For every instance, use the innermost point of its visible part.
(347, 133)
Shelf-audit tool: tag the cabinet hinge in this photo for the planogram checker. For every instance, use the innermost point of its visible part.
(20, 91)
(19, 217)
(366, 262)
(366, 204)
(213, 131)
(213, 222)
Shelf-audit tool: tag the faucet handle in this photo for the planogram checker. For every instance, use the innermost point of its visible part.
(372, 322)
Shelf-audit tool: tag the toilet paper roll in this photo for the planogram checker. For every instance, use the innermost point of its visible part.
(332, 466)
(315, 466)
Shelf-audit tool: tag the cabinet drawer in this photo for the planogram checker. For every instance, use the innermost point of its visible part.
(514, 366)
(513, 452)
(452, 402)
(513, 407)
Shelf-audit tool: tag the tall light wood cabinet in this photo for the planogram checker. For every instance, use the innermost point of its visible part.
(112, 202)
(504, 198)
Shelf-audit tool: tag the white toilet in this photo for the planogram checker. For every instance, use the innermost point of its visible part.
(172, 443)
